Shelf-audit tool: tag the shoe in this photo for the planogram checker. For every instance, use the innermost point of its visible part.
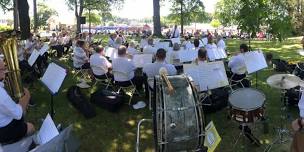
(32, 103)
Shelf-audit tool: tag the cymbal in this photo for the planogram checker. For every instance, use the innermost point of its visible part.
(283, 81)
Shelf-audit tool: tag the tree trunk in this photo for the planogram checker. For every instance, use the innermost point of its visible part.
(35, 15)
(182, 17)
(16, 15)
(78, 15)
(156, 18)
(24, 19)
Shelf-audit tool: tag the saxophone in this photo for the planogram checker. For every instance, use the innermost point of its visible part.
(8, 46)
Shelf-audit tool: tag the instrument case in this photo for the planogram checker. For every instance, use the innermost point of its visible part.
(108, 100)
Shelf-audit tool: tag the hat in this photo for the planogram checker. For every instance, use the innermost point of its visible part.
(139, 105)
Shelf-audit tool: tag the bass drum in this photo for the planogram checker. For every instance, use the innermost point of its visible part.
(178, 119)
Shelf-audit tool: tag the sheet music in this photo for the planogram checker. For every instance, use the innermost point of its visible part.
(255, 61)
(164, 45)
(34, 56)
(53, 77)
(187, 55)
(210, 75)
(192, 70)
(47, 131)
(111, 52)
(176, 40)
(215, 53)
(44, 49)
(142, 59)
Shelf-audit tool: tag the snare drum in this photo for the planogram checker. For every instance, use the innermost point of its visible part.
(246, 105)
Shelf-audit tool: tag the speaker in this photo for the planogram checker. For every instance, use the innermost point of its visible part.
(82, 20)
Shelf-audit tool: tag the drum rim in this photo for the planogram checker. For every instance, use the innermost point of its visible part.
(247, 109)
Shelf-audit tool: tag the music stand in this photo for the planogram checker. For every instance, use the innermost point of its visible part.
(52, 80)
(255, 61)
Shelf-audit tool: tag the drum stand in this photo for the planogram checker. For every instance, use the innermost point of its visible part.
(247, 134)
(282, 131)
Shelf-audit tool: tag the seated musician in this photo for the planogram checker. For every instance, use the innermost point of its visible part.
(201, 57)
(143, 42)
(99, 64)
(80, 59)
(112, 39)
(149, 49)
(196, 43)
(123, 70)
(152, 69)
(237, 64)
(131, 49)
(175, 55)
(30, 45)
(118, 42)
(221, 43)
(12, 125)
(187, 43)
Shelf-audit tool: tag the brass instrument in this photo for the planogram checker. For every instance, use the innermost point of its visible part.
(8, 46)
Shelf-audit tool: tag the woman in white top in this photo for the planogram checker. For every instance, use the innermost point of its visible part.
(99, 64)
(201, 57)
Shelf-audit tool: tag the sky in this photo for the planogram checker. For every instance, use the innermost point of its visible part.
(131, 9)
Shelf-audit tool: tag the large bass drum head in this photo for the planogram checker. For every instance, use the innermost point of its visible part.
(178, 119)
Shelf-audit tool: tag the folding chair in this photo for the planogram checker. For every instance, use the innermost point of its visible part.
(233, 83)
(150, 89)
(106, 81)
(128, 90)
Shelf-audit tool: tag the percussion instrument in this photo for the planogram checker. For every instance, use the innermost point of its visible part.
(246, 105)
(178, 119)
(283, 81)
(299, 70)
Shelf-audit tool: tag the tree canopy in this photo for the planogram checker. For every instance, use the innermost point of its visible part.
(251, 15)
(44, 13)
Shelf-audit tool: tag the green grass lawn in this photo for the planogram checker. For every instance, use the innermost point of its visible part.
(116, 132)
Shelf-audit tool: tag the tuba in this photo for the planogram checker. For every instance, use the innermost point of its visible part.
(8, 46)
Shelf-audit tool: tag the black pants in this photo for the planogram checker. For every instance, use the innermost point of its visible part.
(137, 81)
(107, 75)
(13, 132)
(59, 49)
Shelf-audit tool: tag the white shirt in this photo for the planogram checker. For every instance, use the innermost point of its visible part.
(205, 41)
(99, 64)
(111, 42)
(9, 110)
(149, 50)
(143, 43)
(152, 69)
(301, 104)
(176, 33)
(188, 45)
(53, 41)
(30, 45)
(123, 69)
(237, 64)
(221, 44)
(132, 50)
(80, 57)
(20, 53)
(174, 57)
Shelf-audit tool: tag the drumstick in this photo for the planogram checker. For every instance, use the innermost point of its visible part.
(163, 74)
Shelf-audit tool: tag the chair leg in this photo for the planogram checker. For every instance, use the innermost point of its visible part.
(150, 100)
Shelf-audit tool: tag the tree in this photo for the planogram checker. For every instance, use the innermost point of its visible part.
(184, 12)
(44, 13)
(215, 23)
(156, 18)
(250, 15)
(93, 18)
(99, 5)
(35, 15)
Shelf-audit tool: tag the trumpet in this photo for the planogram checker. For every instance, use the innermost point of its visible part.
(8, 46)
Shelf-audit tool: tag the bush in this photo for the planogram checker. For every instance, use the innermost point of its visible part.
(5, 28)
